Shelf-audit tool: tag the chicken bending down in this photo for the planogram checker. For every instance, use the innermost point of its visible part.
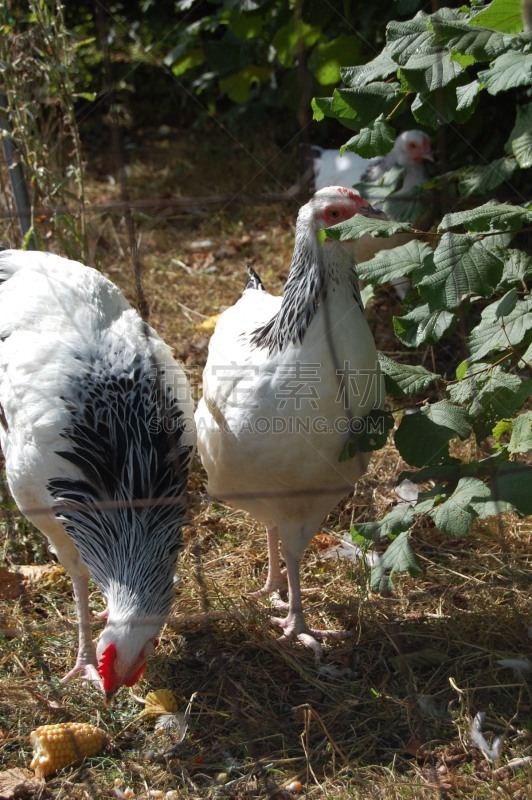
(288, 380)
(97, 432)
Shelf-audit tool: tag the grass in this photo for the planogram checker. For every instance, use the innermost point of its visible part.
(389, 713)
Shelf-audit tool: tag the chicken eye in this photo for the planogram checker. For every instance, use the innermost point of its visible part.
(334, 213)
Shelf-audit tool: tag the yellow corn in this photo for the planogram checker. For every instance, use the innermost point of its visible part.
(57, 746)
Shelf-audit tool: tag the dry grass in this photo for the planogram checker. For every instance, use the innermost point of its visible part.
(389, 713)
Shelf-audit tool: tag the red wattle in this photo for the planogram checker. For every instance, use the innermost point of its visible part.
(106, 668)
(131, 679)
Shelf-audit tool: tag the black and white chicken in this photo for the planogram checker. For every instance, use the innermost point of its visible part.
(287, 381)
(97, 432)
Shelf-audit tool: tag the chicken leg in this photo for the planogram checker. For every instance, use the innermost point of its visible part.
(86, 662)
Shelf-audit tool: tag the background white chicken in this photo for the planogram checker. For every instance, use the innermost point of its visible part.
(412, 149)
(97, 432)
(285, 380)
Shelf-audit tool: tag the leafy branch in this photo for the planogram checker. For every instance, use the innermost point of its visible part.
(475, 273)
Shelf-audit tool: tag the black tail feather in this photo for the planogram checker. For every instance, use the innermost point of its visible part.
(254, 282)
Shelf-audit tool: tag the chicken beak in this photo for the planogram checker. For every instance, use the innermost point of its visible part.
(376, 213)
(108, 698)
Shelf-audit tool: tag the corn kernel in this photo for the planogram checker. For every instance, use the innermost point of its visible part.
(57, 746)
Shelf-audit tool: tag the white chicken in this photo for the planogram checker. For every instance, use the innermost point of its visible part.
(97, 432)
(410, 151)
(287, 381)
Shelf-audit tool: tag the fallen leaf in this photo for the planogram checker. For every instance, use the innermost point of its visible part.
(417, 748)
(324, 540)
(208, 324)
(10, 585)
(18, 783)
(8, 629)
(160, 701)
(346, 548)
(53, 705)
(51, 575)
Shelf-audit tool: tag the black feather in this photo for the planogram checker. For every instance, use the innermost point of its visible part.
(126, 512)
(254, 281)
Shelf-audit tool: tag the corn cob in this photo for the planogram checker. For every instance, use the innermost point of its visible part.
(56, 746)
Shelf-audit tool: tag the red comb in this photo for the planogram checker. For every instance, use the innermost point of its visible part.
(351, 194)
(106, 668)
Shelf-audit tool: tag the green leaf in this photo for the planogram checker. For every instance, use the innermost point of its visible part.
(520, 140)
(399, 519)
(376, 139)
(377, 191)
(449, 415)
(373, 436)
(483, 179)
(481, 43)
(368, 102)
(228, 54)
(358, 226)
(404, 39)
(425, 72)
(517, 266)
(423, 439)
(508, 71)
(245, 26)
(491, 216)
(290, 38)
(490, 394)
(407, 206)
(333, 107)
(503, 426)
(439, 107)
(500, 15)
(90, 96)
(328, 57)
(467, 96)
(399, 557)
(462, 267)
(396, 263)
(495, 334)
(238, 86)
(421, 325)
(380, 67)
(193, 57)
(461, 370)
(404, 379)
(521, 439)
(455, 515)
(507, 303)
(464, 61)
(511, 484)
